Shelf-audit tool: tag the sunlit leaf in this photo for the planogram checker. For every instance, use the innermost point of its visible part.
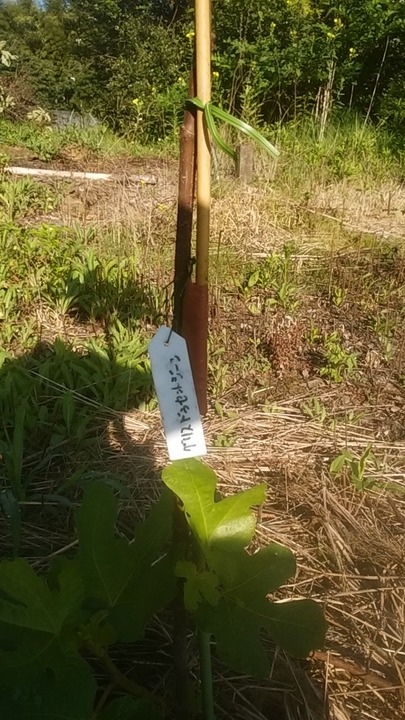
(243, 581)
(198, 586)
(228, 523)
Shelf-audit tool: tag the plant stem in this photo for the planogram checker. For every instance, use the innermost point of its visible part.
(184, 710)
(120, 679)
(206, 675)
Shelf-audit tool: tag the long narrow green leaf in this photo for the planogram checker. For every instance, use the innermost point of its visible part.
(215, 134)
(212, 112)
(12, 511)
(17, 450)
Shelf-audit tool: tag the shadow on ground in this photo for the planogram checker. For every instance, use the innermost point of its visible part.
(64, 423)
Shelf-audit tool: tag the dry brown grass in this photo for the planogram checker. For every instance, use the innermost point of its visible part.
(349, 545)
(350, 550)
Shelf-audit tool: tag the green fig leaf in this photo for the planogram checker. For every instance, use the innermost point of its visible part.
(228, 523)
(198, 586)
(33, 618)
(131, 579)
(65, 692)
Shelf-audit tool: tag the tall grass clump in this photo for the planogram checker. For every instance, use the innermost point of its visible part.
(351, 149)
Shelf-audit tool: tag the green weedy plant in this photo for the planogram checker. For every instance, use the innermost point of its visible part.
(339, 363)
(23, 196)
(50, 625)
(354, 468)
(315, 410)
(273, 276)
(356, 471)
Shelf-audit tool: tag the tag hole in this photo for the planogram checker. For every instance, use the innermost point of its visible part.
(168, 339)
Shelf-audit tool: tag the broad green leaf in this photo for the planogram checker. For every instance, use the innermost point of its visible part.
(33, 618)
(127, 708)
(253, 279)
(298, 626)
(27, 602)
(247, 577)
(67, 692)
(338, 463)
(237, 635)
(240, 610)
(126, 578)
(228, 523)
(198, 586)
(97, 631)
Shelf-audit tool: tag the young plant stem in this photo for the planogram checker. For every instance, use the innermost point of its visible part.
(183, 704)
(118, 678)
(206, 675)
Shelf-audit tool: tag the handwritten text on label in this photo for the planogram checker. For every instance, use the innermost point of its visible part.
(176, 395)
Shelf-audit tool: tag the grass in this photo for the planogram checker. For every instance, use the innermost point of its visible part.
(306, 366)
(48, 143)
(350, 151)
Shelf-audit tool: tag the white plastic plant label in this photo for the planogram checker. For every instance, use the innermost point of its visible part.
(176, 395)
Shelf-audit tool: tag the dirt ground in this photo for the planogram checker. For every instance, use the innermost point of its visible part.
(263, 425)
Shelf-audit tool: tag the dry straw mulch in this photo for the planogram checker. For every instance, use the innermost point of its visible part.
(350, 551)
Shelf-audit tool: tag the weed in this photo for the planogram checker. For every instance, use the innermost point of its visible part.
(314, 335)
(339, 296)
(339, 363)
(315, 410)
(225, 438)
(349, 149)
(47, 142)
(274, 279)
(4, 160)
(64, 395)
(355, 469)
(384, 325)
(24, 196)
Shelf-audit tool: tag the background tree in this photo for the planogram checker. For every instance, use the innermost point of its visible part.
(127, 60)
